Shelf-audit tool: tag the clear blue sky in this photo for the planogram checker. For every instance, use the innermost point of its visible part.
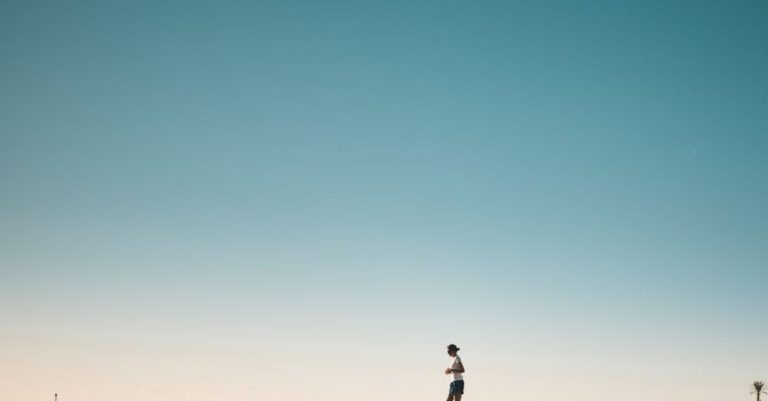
(564, 189)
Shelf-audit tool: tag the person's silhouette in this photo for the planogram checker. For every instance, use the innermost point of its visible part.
(455, 368)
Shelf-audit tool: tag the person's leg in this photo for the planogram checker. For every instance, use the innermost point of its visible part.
(450, 392)
(457, 397)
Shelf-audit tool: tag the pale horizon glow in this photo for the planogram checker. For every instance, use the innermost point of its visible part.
(290, 201)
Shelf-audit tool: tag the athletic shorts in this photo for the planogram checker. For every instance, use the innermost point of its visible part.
(457, 387)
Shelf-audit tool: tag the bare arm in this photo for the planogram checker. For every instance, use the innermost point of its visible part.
(460, 369)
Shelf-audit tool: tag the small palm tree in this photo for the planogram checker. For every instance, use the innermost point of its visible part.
(757, 389)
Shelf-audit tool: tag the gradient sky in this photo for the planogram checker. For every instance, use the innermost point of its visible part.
(292, 200)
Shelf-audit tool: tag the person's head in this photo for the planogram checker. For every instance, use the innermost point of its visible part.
(453, 349)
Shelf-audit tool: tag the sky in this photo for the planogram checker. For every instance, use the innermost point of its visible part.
(292, 200)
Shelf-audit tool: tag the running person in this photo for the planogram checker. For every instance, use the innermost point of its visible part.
(456, 368)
